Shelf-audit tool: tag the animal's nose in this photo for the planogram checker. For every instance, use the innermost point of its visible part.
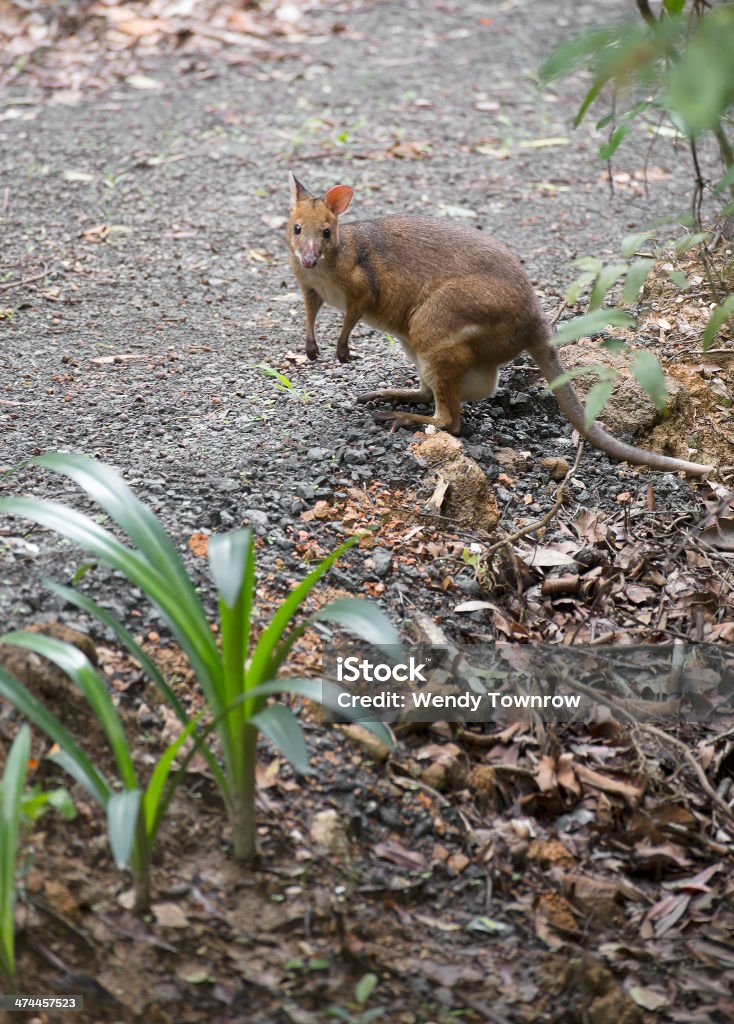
(309, 259)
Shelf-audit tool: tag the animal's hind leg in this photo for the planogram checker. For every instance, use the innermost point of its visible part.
(406, 396)
(447, 415)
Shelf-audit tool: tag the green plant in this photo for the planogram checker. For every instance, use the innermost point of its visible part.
(134, 814)
(357, 1014)
(36, 802)
(236, 675)
(628, 277)
(282, 383)
(11, 803)
(677, 67)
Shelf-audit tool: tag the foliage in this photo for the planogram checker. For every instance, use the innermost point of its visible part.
(678, 66)
(11, 805)
(236, 676)
(282, 383)
(36, 802)
(134, 815)
(357, 1014)
(628, 276)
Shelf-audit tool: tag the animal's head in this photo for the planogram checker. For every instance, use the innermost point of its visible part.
(313, 226)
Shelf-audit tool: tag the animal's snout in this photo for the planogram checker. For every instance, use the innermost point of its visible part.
(309, 256)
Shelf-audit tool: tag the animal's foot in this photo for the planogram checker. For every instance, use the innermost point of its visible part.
(312, 351)
(343, 355)
(368, 396)
(397, 419)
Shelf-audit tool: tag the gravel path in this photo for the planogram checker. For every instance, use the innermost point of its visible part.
(156, 220)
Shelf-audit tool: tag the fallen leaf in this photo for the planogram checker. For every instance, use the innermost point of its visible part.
(630, 792)
(198, 544)
(648, 998)
(143, 82)
(169, 915)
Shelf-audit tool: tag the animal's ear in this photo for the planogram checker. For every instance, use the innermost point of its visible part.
(338, 198)
(298, 191)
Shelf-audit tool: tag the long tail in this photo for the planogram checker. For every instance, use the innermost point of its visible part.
(546, 356)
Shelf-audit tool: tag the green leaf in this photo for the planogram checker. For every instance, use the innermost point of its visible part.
(261, 664)
(700, 85)
(651, 378)
(187, 621)
(674, 6)
(152, 805)
(144, 660)
(74, 664)
(326, 693)
(576, 287)
(588, 99)
(688, 241)
(156, 567)
(60, 800)
(608, 277)
(679, 279)
(596, 399)
(76, 761)
(573, 55)
(591, 323)
(11, 797)
(362, 618)
(607, 150)
(718, 318)
(122, 823)
(635, 278)
(631, 243)
(282, 728)
(597, 370)
(614, 345)
(364, 988)
(590, 263)
(228, 555)
(725, 181)
(604, 121)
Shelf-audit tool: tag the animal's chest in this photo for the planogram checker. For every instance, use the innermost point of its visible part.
(330, 293)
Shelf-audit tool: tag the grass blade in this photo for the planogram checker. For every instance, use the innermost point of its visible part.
(84, 771)
(152, 807)
(74, 664)
(272, 634)
(144, 660)
(282, 728)
(122, 823)
(326, 693)
(11, 795)
(188, 624)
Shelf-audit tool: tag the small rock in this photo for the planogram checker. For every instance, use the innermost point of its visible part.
(556, 466)
(382, 560)
(256, 517)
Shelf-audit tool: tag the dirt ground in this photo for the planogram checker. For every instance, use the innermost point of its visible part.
(143, 210)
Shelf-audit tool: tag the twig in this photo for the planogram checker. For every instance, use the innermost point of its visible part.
(557, 315)
(700, 525)
(666, 740)
(23, 280)
(540, 523)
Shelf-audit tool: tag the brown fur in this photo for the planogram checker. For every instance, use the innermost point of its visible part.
(459, 302)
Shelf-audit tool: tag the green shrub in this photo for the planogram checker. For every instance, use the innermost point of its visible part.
(237, 675)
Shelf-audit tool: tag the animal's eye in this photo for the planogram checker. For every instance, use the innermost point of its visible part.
(327, 232)
(296, 229)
